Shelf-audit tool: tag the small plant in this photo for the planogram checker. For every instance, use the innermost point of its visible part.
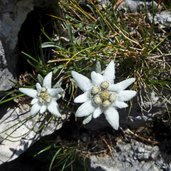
(44, 98)
(101, 95)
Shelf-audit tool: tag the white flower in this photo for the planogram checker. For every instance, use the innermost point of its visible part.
(101, 95)
(45, 97)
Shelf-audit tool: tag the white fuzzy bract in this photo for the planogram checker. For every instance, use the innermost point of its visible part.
(101, 95)
(44, 97)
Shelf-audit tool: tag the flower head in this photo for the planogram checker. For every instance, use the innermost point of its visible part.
(101, 95)
(44, 97)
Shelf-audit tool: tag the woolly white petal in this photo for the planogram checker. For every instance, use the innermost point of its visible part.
(53, 108)
(121, 85)
(35, 109)
(87, 119)
(96, 78)
(82, 98)
(47, 81)
(29, 92)
(112, 117)
(119, 104)
(126, 95)
(38, 87)
(55, 91)
(82, 82)
(85, 109)
(109, 73)
(35, 100)
(98, 111)
(43, 109)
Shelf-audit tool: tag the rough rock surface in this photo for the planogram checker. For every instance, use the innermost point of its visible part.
(5, 75)
(162, 19)
(132, 156)
(137, 5)
(13, 13)
(19, 130)
(12, 16)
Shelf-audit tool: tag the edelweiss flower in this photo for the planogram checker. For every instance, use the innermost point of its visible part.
(101, 95)
(44, 98)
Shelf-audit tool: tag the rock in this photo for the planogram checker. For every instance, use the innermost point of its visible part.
(13, 14)
(131, 156)
(5, 74)
(162, 19)
(155, 152)
(142, 154)
(19, 130)
(137, 5)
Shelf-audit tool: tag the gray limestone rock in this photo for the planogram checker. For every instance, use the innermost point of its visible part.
(13, 13)
(162, 19)
(132, 156)
(137, 5)
(19, 130)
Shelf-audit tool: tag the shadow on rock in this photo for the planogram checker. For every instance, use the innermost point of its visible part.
(162, 133)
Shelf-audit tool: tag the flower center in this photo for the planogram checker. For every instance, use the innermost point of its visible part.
(104, 95)
(101, 96)
(43, 96)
